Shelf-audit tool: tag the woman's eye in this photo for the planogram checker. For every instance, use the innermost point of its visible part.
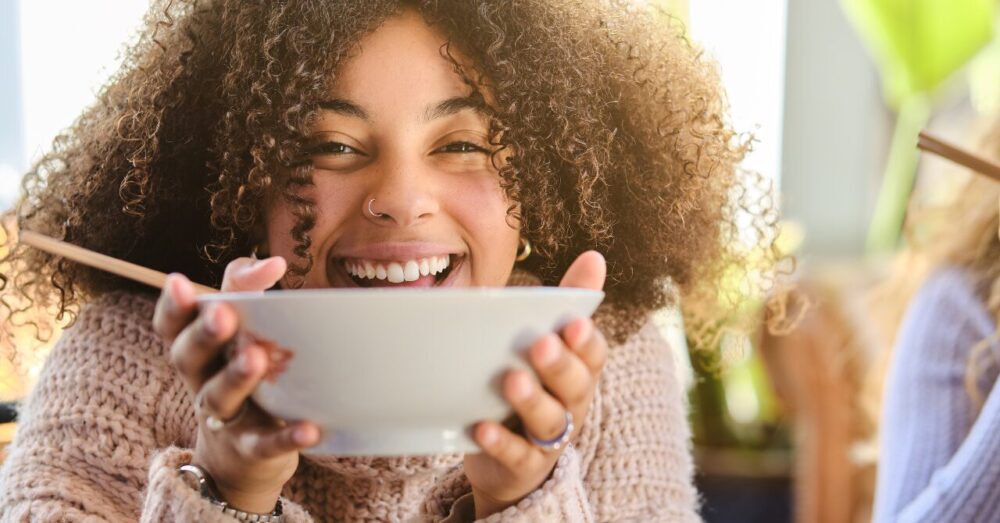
(333, 148)
(461, 147)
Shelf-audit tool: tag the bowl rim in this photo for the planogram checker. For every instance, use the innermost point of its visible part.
(432, 293)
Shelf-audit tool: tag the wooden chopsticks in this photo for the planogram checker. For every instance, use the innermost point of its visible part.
(103, 262)
(981, 165)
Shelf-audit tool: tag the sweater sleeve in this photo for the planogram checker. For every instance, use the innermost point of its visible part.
(561, 498)
(932, 467)
(171, 499)
(632, 459)
(89, 429)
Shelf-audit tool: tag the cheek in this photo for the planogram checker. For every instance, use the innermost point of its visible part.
(481, 210)
(329, 210)
(279, 221)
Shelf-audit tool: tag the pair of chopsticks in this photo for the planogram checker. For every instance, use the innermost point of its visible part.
(157, 279)
(102, 262)
(928, 143)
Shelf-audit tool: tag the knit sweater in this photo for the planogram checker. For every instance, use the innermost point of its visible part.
(940, 457)
(101, 435)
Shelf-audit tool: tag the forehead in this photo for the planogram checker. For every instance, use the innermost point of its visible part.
(399, 67)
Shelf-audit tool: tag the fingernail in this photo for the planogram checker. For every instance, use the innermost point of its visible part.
(242, 362)
(582, 330)
(303, 436)
(547, 352)
(489, 436)
(182, 292)
(212, 322)
(521, 388)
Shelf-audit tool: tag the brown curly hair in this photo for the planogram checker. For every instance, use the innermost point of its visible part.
(619, 123)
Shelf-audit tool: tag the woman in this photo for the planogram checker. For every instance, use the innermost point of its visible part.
(940, 426)
(376, 144)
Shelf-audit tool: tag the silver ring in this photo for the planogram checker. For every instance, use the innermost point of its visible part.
(557, 442)
(373, 213)
(214, 423)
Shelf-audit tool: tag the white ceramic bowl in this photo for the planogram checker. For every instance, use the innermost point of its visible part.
(399, 371)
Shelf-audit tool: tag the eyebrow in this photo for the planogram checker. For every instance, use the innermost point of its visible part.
(445, 108)
(454, 105)
(345, 107)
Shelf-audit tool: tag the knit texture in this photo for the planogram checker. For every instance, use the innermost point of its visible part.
(101, 436)
(940, 458)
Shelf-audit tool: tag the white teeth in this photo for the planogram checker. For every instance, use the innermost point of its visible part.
(411, 272)
(397, 272)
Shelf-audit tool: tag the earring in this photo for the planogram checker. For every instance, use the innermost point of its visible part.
(524, 251)
(258, 251)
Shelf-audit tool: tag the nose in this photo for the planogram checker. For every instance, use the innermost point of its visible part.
(403, 196)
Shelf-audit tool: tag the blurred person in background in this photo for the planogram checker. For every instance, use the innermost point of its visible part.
(940, 422)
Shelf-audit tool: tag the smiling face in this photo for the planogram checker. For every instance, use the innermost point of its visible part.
(399, 136)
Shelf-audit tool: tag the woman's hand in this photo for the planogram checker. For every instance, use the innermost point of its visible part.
(510, 466)
(252, 455)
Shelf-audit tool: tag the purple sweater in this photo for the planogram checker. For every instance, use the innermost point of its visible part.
(940, 457)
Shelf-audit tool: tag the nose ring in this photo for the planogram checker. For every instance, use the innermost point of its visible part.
(372, 212)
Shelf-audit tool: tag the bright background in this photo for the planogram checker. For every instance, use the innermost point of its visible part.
(54, 61)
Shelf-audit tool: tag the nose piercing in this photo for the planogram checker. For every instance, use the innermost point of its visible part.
(373, 213)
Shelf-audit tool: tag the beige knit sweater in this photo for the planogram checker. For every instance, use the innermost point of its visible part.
(101, 436)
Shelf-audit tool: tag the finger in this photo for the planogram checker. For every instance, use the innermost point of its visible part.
(587, 342)
(269, 443)
(175, 308)
(196, 351)
(542, 416)
(225, 393)
(509, 450)
(564, 374)
(247, 274)
(588, 271)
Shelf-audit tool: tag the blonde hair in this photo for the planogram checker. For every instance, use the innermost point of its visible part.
(964, 232)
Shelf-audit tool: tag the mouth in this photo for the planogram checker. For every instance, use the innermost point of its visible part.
(429, 271)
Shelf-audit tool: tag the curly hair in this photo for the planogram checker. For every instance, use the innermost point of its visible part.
(618, 121)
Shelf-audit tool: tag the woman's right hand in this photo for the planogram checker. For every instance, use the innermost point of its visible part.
(249, 458)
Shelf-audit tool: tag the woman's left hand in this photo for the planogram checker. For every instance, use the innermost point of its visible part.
(567, 367)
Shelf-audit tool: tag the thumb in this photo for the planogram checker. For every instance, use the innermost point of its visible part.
(588, 271)
(245, 274)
